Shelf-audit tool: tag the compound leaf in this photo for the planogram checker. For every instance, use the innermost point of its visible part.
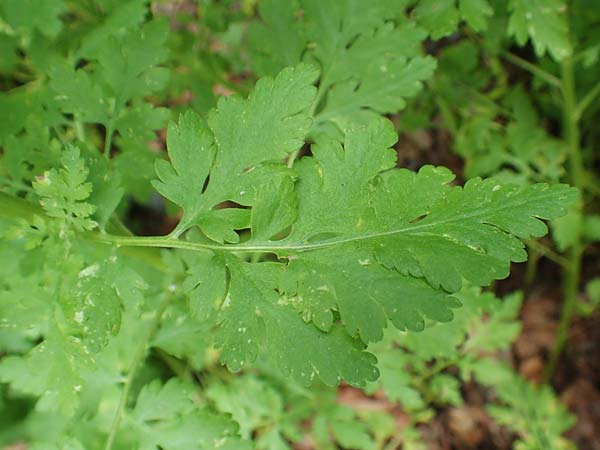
(397, 249)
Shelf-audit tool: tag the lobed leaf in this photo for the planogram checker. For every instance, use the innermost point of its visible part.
(396, 247)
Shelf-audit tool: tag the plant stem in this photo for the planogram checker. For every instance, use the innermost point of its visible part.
(79, 130)
(108, 140)
(532, 68)
(575, 172)
(541, 250)
(138, 358)
(587, 100)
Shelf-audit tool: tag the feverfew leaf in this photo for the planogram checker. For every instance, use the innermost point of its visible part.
(244, 136)
(446, 389)
(91, 303)
(253, 403)
(441, 17)
(339, 424)
(269, 125)
(357, 48)
(279, 40)
(397, 250)
(184, 336)
(63, 191)
(191, 153)
(476, 13)
(522, 151)
(252, 317)
(8, 53)
(171, 420)
(32, 15)
(350, 100)
(544, 22)
(540, 427)
(565, 229)
(123, 69)
(52, 371)
(410, 221)
(592, 289)
(122, 18)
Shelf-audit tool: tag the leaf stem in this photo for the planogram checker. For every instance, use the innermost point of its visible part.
(79, 130)
(275, 247)
(587, 100)
(138, 358)
(108, 140)
(575, 172)
(541, 250)
(532, 68)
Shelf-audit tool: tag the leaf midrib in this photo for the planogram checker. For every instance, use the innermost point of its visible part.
(270, 247)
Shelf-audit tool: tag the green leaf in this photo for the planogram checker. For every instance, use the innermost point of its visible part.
(51, 371)
(592, 289)
(396, 380)
(124, 68)
(79, 94)
(8, 54)
(126, 16)
(92, 306)
(591, 227)
(129, 64)
(567, 229)
(107, 190)
(157, 402)
(205, 285)
(544, 22)
(521, 152)
(253, 403)
(244, 136)
(340, 424)
(476, 13)
(30, 15)
(279, 40)
(184, 336)
(540, 427)
(253, 318)
(400, 246)
(274, 210)
(358, 49)
(442, 17)
(446, 389)
(191, 153)
(350, 100)
(63, 191)
(170, 420)
(417, 223)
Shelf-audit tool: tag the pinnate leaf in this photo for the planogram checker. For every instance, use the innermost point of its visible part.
(397, 249)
